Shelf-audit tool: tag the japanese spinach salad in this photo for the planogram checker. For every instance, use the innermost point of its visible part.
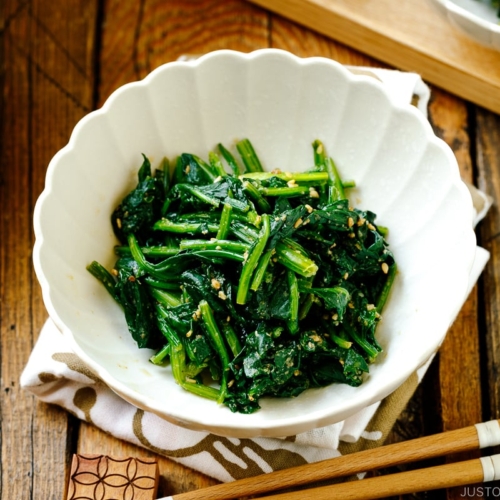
(251, 283)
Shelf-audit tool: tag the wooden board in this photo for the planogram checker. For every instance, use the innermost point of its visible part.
(411, 35)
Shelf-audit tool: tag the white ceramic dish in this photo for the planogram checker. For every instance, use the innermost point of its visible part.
(477, 18)
(282, 103)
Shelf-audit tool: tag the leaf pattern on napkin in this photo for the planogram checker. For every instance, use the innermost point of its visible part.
(85, 399)
(73, 362)
(247, 450)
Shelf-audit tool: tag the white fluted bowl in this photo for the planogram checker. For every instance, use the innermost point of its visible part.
(282, 103)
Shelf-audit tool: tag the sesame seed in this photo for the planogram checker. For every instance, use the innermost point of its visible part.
(350, 222)
(188, 168)
(370, 307)
(313, 193)
(298, 222)
(385, 267)
(309, 208)
(188, 334)
(119, 223)
(222, 295)
(291, 183)
(216, 284)
(346, 275)
(230, 383)
(371, 226)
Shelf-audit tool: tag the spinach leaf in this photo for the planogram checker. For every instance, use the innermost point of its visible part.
(264, 283)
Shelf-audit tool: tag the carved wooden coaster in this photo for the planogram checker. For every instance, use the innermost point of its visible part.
(99, 477)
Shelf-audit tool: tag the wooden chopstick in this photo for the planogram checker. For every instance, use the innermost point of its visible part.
(431, 478)
(469, 438)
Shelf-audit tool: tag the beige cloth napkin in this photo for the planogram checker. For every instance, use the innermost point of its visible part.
(56, 375)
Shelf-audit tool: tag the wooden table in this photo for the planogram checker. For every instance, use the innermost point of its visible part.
(58, 61)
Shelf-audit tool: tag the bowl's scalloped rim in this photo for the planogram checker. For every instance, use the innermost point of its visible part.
(287, 426)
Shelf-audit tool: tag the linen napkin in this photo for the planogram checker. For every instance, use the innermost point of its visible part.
(56, 375)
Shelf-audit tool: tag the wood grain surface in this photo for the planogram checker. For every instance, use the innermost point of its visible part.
(58, 61)
(410, 35)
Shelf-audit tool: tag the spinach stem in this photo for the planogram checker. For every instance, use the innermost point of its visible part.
(216, 244)
(384, 294)
(249, 156)
(163, 297)
(185, 227)
(216, 164)
(252, 260)
(192, 190)
(256, 196)
(295, 261)
(230, 160)
(225, 222)
(232, 339)
(104, 276)
(260, 270)
(218, 341)
(159, 357)
(288, 192)
(293, 321)
(153, 251)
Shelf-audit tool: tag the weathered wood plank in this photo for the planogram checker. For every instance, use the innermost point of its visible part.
(459, 387)
(15, 275)
(44, 93)
(139, 37)
(488, 164)
(410, 35)
(303, 42)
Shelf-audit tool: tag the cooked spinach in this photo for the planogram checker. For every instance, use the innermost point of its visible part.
(496, 4)
(267, 283)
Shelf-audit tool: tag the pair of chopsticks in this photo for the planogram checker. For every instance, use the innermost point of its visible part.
(473, 471)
